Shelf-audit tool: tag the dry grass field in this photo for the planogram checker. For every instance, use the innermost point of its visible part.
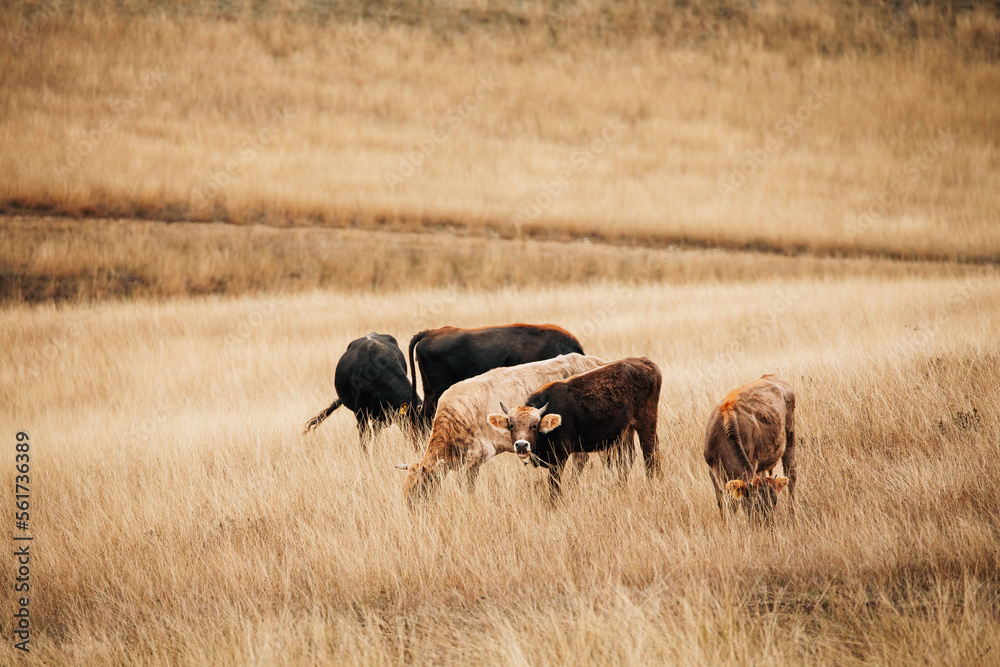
(202, 203)
(832, 127)
(182, 518)
(46, 259)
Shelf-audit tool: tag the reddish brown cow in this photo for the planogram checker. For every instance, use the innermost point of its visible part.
(747, 434)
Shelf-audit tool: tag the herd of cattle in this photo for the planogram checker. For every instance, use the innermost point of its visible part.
(565, 405)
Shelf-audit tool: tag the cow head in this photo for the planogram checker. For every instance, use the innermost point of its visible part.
(759, 496)
(524, 424)
(422, 481)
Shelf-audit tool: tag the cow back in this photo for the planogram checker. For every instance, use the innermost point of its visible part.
(464, 407)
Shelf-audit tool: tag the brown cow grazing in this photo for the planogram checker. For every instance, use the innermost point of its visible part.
(747, 434)
(449, 355)
(461, 439)
(589, 412)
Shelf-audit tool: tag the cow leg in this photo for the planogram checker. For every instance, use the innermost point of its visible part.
(379, 423)
(788, 462)
(472, 474)
(720, 493)
(621, 455)
(364, 435)
(579, 461)
(628, 451)
(555, 474)
(427, 412)
(415, 425)
(364, 428)
(420, 425)
(649, 443)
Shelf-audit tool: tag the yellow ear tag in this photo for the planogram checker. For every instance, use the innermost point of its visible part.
(403, 408)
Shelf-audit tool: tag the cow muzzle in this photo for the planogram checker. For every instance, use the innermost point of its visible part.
(523, 449)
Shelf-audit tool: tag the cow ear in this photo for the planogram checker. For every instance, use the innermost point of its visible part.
(498, 421)
(778, 483)
(737, 487)
(549, 423)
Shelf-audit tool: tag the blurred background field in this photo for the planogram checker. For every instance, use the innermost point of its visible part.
(828, 127)
(68, 260)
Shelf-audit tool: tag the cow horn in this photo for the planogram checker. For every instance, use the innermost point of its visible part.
(403, 466)
(504, 408)
(541, 410)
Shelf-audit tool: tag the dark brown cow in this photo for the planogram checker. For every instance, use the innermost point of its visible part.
(449, 355)
(747, 434)
(589, 412)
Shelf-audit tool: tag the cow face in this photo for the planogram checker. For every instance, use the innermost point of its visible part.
(759, 497)
(423, 481)
(524, 424)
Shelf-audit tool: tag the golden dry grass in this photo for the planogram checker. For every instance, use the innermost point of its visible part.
(610, 120)
(180, 517)
(61, 259)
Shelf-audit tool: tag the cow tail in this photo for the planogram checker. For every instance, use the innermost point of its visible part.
(318, 419)
(413, 368)
(733, 435)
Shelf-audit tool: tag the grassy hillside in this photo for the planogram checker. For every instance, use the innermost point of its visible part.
(829, 127)
(180, 517)
(60, 259)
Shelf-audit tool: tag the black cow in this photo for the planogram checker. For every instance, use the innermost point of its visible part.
(593, 411)
(371, 381)
(449, 355)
